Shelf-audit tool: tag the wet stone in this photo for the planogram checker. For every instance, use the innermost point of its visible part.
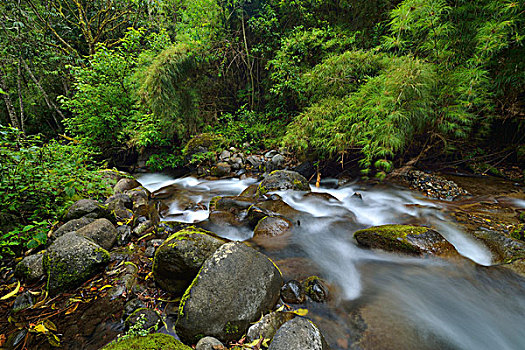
(293, 292)
(315, 289)
(22, 302)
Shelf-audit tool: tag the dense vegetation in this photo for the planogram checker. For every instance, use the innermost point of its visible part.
(381, 81)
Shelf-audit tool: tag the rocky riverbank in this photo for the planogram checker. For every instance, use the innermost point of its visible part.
(116, 276)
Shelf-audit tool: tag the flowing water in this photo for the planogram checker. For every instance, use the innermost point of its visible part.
(379, 300)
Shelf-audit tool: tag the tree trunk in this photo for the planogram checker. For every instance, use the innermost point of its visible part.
(20, 100)
(49, 103)
(8, 103)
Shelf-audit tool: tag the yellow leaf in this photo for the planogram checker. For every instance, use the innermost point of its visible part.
(300, 312)
(281, 308)
(13, 293)
(53, 340)
(106, 287)
(40, 328)
(72, 309)
(50, 325)
(75, 300)
(252, 344)
(148, 276)
(41, 302)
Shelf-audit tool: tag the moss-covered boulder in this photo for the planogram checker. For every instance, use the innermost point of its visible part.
(298, 334)
(178, 260)
(71, 260)
(235, 286)
(100, 231)
(87, 208)
(155, 341)
(282, 180)
(30, 268)
(414, 240)
(200, 144)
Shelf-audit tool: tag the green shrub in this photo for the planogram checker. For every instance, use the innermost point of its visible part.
(38, 182)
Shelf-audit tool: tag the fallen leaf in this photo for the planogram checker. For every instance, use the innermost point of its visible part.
(13, 293)
(72, 309)
(300, 312)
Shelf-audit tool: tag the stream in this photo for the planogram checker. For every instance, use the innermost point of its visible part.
(378, 300)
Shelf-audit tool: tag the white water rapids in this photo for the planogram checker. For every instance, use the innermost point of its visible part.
(447, 305)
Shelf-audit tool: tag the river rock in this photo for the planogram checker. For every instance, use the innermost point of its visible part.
(278, 160)
(414, 240)
(100, 231)
(125, 184)
(71, 260)
(271, 226)
(282, 180)
(154, 341)
(225, 155)
(255, 161)
(140, 197)
(279, 207)
(22, 302)
(235, 286)
(178, 260)
(221, 169)
(30, 268)
(123, 235)
(249, 191)
(209, 343)
(120, 205)
(298, 334)
(71, 226)
(316, 289)
(223, 218)
(293, 292)
(233, 204)
(88, 208)
(268, 325)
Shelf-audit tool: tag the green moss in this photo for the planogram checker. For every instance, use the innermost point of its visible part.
(231, 328)
(518, 232)
(390, 237)
(187, 294)
(213, 203)
(395, 231)
(186, 234)
(261, 190)
(150, 342)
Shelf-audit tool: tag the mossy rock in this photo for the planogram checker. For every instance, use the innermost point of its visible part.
(71, 260)
(178, 260)
(30, 268)
(413, 240)
(282, 180)
(234, 287)
(200, 144)
(155, 341)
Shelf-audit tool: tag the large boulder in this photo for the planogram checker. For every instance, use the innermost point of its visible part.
(30, 268)
(178, 260)
(414, 240)
(100, 231)
(88, 208)
(71, 226)
(298, 334)
(71, 260)
(282, 180)
(235, 286)
(199, 144)
(125, 185)
(149, 342)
